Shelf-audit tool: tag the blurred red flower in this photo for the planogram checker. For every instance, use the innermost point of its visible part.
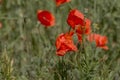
(59, 2)
(46, 18)
(79, 37)
(100, 41)
(64, 43)
(75, 18)
(84, 29)
(0, 25)
(80, 30)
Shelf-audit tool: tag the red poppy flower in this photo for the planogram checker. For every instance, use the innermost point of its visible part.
(75, 17)
(64, 43)
(84, 29)
(80, 30)
(100, 41)
(46, 18)
(59, 2)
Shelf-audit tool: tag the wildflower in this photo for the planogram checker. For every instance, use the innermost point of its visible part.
(46, 18)
(75, 17)
(64, 43)
(84, 29)
(59, 2)
(80, 30)
(100, 41)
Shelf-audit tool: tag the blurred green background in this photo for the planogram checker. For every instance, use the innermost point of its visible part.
(27, 49)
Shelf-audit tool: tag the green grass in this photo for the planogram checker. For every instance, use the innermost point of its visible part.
(27, 49)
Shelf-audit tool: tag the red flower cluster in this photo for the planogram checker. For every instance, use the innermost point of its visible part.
(80, 26)
(64, 43)
(59, 2)
(46, 18)
(100, 41)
